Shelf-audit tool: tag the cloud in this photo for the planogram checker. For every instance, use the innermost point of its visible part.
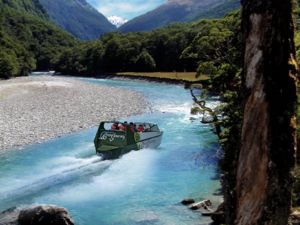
(128, 9)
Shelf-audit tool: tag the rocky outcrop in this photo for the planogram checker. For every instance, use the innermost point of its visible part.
(9, 216)
(193, 205)
(187, 201)
(294, 218)
(205, 204)
(219, 215)
(263, 181)
(39, 215)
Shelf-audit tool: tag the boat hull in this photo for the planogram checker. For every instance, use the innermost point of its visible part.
(150, 141)
(115, 153)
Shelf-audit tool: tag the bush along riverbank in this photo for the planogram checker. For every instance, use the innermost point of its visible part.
(225, 81)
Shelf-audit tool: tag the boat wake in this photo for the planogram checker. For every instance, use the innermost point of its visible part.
(124, 175)
(85, 167)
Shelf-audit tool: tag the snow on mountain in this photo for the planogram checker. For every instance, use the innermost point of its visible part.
(117, 20)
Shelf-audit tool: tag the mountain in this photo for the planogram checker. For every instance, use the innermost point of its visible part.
(180, 11)
(28, 38)
(78, 17)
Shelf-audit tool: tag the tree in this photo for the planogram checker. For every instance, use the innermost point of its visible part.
(145, 62)
(27, 64)
(8, 64)
(268, 142)
(94, 56)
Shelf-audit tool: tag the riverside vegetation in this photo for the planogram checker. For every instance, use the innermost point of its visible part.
(211, 47)
(28, 39)
(177, 47)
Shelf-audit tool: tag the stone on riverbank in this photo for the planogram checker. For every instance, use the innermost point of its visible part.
(39, 215)
(219, 215)
(187, 201)
(45, 215)
(294, 218)
(205, 204)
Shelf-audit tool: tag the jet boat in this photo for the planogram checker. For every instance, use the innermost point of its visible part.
(115, 138)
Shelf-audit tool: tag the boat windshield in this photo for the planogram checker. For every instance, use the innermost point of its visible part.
(136, 127)
(108, 126)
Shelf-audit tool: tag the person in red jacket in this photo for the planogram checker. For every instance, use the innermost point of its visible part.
(115, 126)
(131, 125)
(141, 128)
(122, 127)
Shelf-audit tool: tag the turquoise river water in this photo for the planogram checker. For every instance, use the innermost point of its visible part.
(141, 188)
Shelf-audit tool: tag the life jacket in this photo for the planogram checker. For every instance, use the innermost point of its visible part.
(122, 127)
(114, 127)
(141, 128)
(132, 129)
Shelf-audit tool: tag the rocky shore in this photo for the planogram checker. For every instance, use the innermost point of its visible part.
(35, 109)
(36, 215)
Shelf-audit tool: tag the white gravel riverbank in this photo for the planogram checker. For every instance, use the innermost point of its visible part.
(35, 109)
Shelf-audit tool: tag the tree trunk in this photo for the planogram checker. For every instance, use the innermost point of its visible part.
(263, 184)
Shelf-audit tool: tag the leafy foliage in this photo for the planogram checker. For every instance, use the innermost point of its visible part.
(179, 47)
(218, 50)
(28, 40)
(32, 7)
(144, 62)
(8, 64)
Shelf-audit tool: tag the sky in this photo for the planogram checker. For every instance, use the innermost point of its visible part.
(127, 9)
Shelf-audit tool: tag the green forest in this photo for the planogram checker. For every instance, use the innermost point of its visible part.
(178, 47)
(28, 40)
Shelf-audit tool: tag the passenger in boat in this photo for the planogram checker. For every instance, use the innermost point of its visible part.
(141, 128)
(115, 126)
(122, 127)
(131, 125)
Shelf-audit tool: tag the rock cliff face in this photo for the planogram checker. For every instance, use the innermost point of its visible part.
(263, 182)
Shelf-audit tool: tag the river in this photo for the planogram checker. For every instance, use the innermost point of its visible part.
(142, 187)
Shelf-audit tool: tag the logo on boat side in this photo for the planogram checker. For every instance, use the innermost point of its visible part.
(111, 136)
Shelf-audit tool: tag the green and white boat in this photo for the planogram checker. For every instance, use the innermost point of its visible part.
(112, 141)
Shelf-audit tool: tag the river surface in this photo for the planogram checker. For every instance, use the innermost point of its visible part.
(141, 188)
